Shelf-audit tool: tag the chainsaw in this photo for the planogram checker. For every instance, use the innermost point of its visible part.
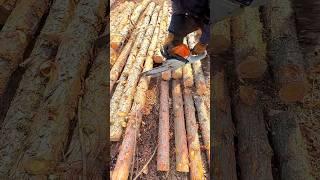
(179, 56)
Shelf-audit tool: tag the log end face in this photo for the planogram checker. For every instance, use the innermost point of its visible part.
(157, 59)
(166, 76)
(293, 92)
(165, 167)
(252, 68)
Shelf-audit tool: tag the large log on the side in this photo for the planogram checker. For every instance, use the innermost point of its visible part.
(254, 151)
(288, 145)
(17, 123)
(51, 122)
(284, 51)
(224, 161)
(16, 34)
(90, 135)
(249, 46)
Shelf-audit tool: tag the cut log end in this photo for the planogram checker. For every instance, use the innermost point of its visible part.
(157, 59)
(293, 92)
(252, 68)
(166, 76)
(163, 167)
(182, 168)
(115, 45)
(115, 133)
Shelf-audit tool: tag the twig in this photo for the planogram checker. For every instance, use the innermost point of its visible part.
(154, 152)
(84, 158)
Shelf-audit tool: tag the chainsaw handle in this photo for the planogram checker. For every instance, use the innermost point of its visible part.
(198, 57)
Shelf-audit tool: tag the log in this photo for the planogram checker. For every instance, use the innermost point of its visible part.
(249, 47)
(284, 51)
(89, 138)
(127, 150)
(6, 8)
(119, 15)
(16, 34)
(124, 19)
(196, 165)
(17, 123)
(288, 145)
(125, 101)
(187, 76)
(199, 78)
(254, 151)
(204, 120)
(223, 128)
(117, 40)
(124, 64)
(52, 120)
(157, 57)
(113, 57)
(163, 156)
(220, 35)
(182, 162)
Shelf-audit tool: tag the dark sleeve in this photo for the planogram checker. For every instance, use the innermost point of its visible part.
(205, 36)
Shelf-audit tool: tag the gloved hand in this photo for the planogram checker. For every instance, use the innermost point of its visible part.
(169, 43)
(199, 48)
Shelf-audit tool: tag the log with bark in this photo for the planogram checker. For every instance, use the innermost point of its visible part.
(220, 37)
(199, 78)
(254, 151)
(181, 146)
(288, 145)
(6, 7)
(17, 123)
(249, 46)
(89, 137)
(16, 34)
(196, 164)
(157, 57)
(284, 51)
(118, 39)
(118, 15)
(163, 156)
(124, 63)
(224, 160)
(124, 19)
(127, 150)
(118, 120)
(203, 115)
(51, 122)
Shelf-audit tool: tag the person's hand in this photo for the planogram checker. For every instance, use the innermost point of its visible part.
(199, 48)
(167, 45)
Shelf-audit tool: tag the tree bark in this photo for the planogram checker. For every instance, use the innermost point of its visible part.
(284, 51)
(118, 40)
(196, 165)
(16, 34)
(249, 47)
(6, 8)
(127, 150)
(51, 122)
(124, 105)
(254, 150)
(89, 137)
(289, 147)
(224, 161)
(17, 123)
